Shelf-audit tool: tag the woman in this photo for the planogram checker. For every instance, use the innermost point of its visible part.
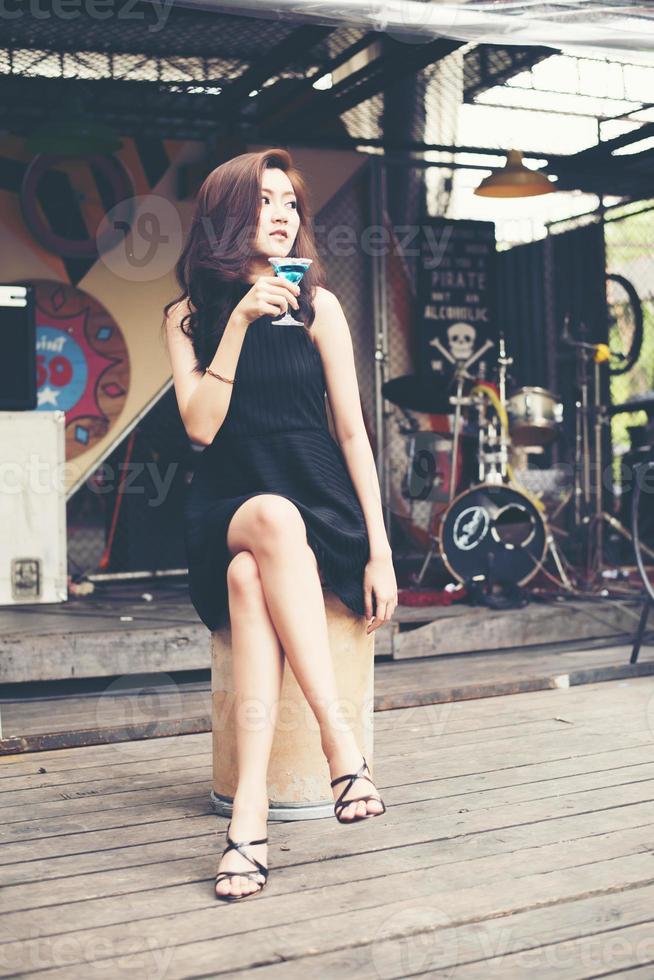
(275, 502)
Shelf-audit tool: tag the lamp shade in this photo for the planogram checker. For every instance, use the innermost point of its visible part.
(515, 180)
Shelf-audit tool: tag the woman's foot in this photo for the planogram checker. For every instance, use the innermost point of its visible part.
(249, 822)
(342, 761)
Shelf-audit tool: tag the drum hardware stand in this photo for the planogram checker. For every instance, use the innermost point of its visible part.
(504, 362)
(498, 441)
(600, 421)
(502, 457)
(461, 374)
(458, 401)
(587, 492)
(428, 557)
(581, 483)
(617, 526)
(553, 550)
(601, 517)
(495, 457)
(560, 562)
(596, 522)
(638, 548)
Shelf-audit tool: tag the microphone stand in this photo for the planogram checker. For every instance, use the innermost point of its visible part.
(591, 514)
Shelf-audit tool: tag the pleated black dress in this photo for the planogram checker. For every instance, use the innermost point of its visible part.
(274, 439)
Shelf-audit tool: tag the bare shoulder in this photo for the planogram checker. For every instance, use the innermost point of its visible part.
(328, 313)
(324, 300)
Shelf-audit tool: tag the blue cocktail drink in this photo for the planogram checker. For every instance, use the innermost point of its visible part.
(292, 269)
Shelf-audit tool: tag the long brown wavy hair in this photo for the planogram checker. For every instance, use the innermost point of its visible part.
(214, 261)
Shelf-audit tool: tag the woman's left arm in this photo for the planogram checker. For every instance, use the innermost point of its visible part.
(334, 342)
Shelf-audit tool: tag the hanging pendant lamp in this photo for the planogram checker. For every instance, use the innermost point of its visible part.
(515, 180)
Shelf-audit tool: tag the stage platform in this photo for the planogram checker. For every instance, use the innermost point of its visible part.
(115, 667)
(517, 841)
(116, 631)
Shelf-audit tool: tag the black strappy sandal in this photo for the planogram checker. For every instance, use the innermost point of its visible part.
(238, 845)
(341, 803)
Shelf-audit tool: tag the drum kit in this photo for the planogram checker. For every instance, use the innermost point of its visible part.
(489, 526)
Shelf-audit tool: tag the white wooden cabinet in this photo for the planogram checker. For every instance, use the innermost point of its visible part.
(33, 566)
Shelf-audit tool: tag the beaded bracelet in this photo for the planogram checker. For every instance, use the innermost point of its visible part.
(219, 376)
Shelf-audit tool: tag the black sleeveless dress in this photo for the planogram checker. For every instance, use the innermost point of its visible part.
(274, 439)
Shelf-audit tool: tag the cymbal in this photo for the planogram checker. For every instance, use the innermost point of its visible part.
(644, 402)
(421, 392)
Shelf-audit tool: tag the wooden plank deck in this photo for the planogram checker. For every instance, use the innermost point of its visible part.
(518, 841)
(54, 716)
(117, 632)
(462, 628)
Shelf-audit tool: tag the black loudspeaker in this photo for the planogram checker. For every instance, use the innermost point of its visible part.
(17, 348)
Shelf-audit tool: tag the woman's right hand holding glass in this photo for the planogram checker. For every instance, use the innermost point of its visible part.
(269, 296)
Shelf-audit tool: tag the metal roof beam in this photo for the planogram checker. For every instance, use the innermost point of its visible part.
(389, 62)
(486, 66)
(278, 58)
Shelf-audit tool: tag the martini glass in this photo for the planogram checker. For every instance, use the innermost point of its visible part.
(292, 269)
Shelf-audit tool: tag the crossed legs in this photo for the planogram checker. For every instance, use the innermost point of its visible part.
(277, 609)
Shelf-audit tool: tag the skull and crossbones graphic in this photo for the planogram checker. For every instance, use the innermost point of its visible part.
(461, 340)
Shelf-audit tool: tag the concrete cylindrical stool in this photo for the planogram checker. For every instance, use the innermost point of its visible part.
(298, 773)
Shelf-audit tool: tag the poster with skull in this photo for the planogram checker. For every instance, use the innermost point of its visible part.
(457, 296)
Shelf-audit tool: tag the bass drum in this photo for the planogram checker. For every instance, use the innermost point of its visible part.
(493, 531)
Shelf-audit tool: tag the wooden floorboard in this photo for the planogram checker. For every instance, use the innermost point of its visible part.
(518, 841)
(125, 709)
(115, 632)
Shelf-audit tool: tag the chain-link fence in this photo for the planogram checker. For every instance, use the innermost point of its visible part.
(630, 265)
(629, 233)
(416, 449)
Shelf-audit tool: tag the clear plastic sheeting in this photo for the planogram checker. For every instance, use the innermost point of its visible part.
(612, 25)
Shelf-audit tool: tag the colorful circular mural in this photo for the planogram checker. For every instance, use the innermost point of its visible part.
(82, 363)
